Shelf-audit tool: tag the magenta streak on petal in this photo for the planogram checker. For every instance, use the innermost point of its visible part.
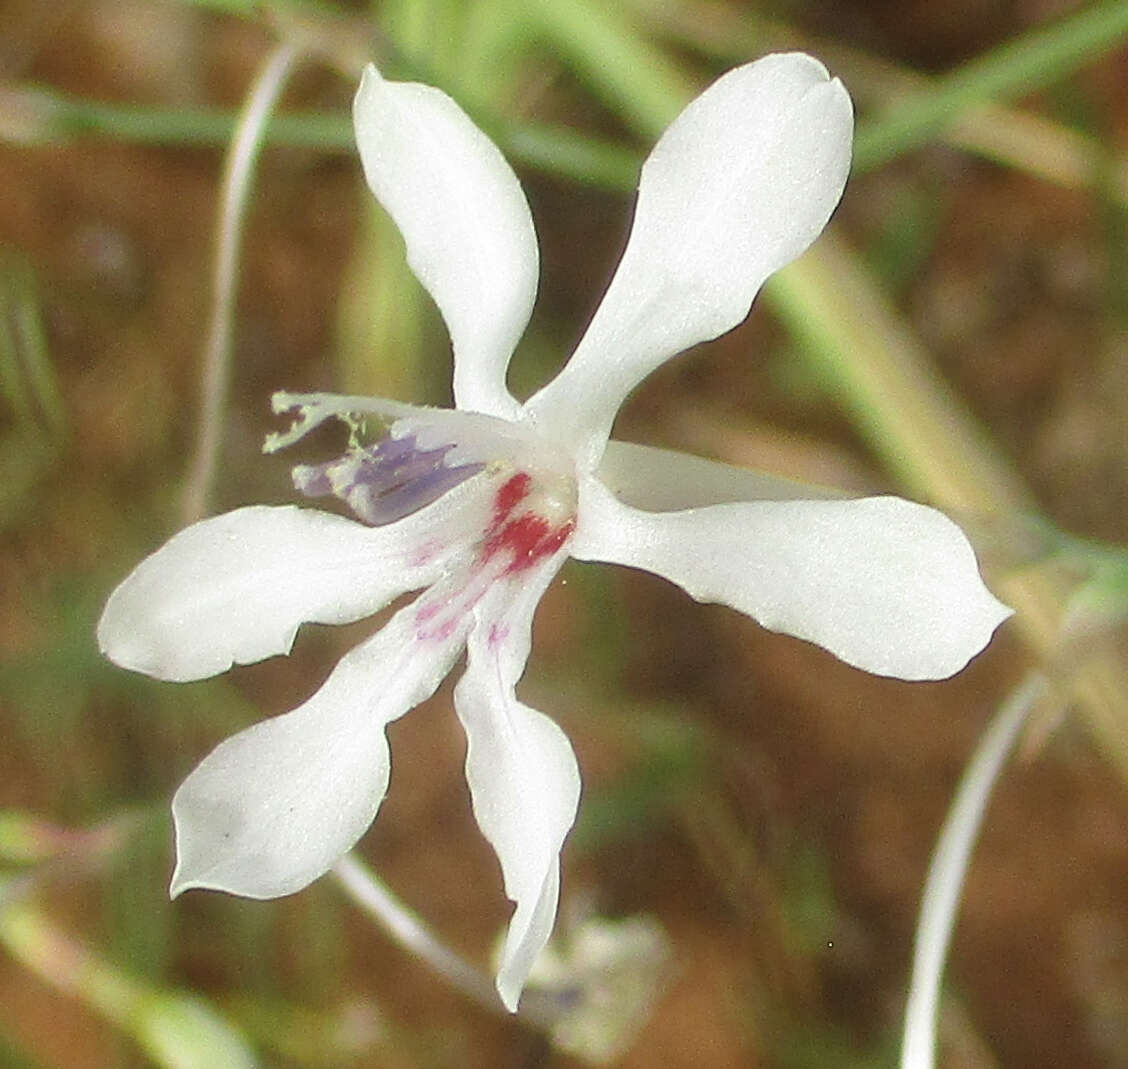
(438, 617)
(428, 612)
(498, 634)
(424, 554)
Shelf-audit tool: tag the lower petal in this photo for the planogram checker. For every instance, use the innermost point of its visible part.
(523, 777)
(273, 808)
(886, 585)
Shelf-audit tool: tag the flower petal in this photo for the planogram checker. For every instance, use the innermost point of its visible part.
(471, 437)
(274, 807)
(235, 588)
(666, 479)
(465, 220)
(739, 185)
(884, 584)
(523, 777)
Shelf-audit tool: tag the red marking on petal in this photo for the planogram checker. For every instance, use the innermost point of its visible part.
(528, 539)
(498, 634)
(512, 492)
(520, 536)
(557, 538)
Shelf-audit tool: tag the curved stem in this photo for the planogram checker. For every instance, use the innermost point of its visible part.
(948, 870)
(238, 172)
(366, 889)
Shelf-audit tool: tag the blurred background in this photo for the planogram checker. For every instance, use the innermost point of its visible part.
(960, 335)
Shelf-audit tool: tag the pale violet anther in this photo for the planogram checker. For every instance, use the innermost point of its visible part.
(479, 506)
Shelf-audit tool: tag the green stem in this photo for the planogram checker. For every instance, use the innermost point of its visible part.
(1025, 141)
(558, 150)
(1017, 68)
(71, 117)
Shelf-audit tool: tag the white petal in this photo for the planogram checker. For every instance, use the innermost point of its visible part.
(665, 479)
(235, 588)
(523, 777)
(274, 807)
(465, 220)
(472, 436)
(738, 186)
(886, 585)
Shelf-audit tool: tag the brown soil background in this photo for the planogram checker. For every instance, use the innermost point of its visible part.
(787, 864)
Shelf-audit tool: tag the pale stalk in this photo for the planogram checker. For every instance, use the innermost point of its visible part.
(948, 870)
(369, 892)
(238, 172)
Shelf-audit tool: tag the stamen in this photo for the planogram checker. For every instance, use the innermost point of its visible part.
(387, 481)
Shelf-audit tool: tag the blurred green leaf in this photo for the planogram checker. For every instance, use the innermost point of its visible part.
(816, 1044)
(1019, 67)
(906, 234)
(182, 1031)
(177, 1030)
(321, 1039)
(668, 760)
(32, 441)
(137, 917)
(27, 378)
(13, 1058)
(382, 315)
(634, 78)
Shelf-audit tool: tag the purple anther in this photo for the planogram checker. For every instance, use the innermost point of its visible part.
(384, 482)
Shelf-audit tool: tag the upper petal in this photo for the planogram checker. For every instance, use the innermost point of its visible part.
(523, 777)
(235, 588)
(888, 586)
(274, 807)
(739, 185)
(464, 219)
(668, 479)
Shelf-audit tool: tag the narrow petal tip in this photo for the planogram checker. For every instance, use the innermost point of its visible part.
(509, 993)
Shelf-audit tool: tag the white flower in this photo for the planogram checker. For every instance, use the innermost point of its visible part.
(479, 506)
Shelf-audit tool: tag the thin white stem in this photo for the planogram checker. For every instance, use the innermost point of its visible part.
(948, 870)
(366, 889)
(238, 172)
(370, 893)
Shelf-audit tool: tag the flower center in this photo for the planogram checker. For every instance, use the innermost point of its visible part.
(426, 453)
(532, 519)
